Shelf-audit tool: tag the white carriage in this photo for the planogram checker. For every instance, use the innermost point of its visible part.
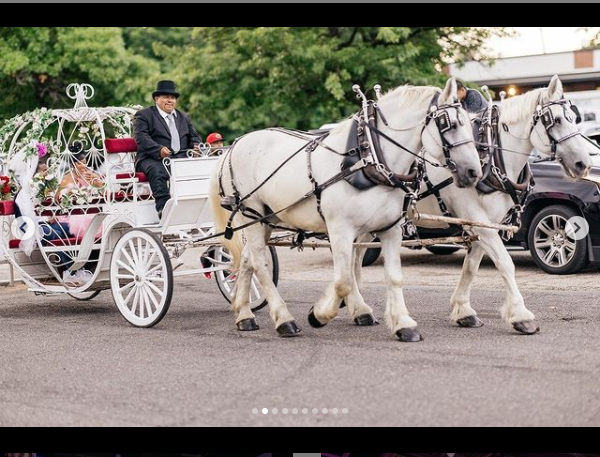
(113, 238)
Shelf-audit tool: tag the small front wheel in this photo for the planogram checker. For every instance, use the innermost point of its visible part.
(141, 278)
(85, 296)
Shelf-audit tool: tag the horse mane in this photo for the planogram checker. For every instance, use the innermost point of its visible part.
(517, 109)
(410, 96)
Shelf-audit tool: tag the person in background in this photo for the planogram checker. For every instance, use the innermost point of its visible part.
(215, 140)
(472, 100)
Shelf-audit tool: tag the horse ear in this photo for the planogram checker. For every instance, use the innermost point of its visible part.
(449, 92)
(555, 88)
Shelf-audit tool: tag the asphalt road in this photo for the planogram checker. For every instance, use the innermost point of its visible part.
(79, 363)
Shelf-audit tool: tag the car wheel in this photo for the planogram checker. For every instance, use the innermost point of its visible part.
(552, 250)
(371, 255)
(442, 250)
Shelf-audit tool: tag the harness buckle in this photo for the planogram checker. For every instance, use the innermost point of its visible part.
(229, 202)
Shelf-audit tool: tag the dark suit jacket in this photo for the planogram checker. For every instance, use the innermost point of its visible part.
(152, 133)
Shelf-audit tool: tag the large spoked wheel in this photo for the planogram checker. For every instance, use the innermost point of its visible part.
(85, 296)
(551, 249)
(226, 281)
(141, 278)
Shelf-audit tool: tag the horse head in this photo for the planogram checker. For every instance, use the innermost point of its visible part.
(448, 137)
(554, 131)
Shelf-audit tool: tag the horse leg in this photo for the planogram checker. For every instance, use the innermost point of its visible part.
(244, 318)
(358, 255)
(284, 322)
(462, 313)
(344, 287)
(514, 311)
(396, 313)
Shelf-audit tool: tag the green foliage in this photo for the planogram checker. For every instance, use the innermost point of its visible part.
(236, 79)
(232, 79)
(38, 63)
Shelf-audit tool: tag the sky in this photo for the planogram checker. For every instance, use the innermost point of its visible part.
(540, 40)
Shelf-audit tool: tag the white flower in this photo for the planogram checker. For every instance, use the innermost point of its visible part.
(49, 177)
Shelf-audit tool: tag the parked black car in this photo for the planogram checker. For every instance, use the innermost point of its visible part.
(553, 201)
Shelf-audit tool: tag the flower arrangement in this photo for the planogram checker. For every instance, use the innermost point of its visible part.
(42, 149)
(44, 185)
(72, 195)
(38, 120)
(8, 188)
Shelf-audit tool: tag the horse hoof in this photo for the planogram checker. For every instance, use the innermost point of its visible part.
(526, 327)
(365, 319)
(409, 335)
(470, 321)
(247, 325)
(313, 321)
(288, 329)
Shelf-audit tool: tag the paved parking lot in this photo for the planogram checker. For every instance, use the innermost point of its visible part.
(76, 363)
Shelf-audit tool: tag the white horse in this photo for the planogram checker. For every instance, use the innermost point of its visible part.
(256, 163)
(540, 119)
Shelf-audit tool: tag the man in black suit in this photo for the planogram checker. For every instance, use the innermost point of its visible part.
(162, 131)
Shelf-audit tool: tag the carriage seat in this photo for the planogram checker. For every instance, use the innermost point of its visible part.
(124, 145)
(7, 208)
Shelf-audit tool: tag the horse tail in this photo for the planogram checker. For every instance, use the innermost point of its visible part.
(220, 218)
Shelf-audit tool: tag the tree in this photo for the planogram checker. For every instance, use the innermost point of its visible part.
(38, 63)
(156, 42)
(241, 78)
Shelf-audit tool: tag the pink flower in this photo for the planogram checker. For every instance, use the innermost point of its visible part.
(42, 149)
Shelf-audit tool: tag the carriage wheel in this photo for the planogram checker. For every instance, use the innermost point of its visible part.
(141, 278)
(85, 296)
(226, 281)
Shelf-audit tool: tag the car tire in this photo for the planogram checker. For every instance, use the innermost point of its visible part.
(549, 246)
(442, 250)
(371, 255)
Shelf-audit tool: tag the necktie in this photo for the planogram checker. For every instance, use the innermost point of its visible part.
(175, 144)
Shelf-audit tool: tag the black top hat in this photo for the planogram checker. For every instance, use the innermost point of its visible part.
(165, 88)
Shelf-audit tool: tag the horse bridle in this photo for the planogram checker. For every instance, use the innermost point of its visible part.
(545, 115)
(444, 124)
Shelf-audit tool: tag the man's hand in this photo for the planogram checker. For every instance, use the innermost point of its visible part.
(165, 152)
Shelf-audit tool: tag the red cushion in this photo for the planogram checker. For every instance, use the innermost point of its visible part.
(116, 145)
(14, 244)
(7, 208)
(53, 213)
(139, 175)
